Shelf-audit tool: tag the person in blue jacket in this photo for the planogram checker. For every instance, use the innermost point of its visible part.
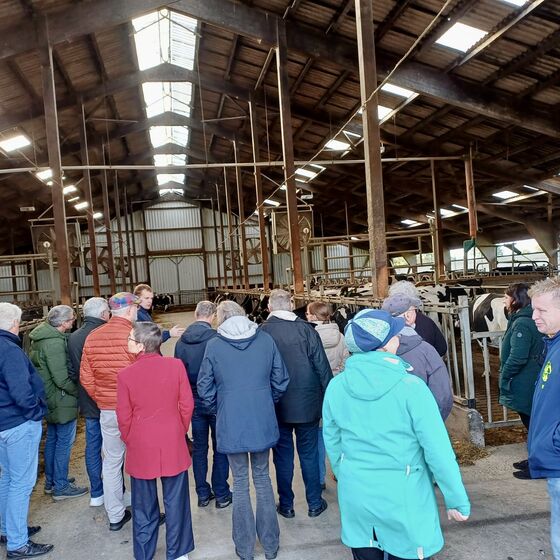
(145, 294)
(23, 404)
(241, 377)
(544, 429)
(387, 443)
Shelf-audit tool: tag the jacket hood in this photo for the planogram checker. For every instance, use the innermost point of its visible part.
(238, 331)
(526, 311)
(10, 336)
(44, 331)
(329, 333)
(197, 333)
(409, 340)
(371, 375)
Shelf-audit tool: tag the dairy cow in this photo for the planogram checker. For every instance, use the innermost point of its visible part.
(489, 314)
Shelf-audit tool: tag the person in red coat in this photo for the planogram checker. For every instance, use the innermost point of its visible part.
(154, 410)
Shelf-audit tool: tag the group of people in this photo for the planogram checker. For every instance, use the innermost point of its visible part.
(250, 390)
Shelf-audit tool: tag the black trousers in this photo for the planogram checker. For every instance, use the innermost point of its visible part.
(526, 419)
(145, 516)
(373, 554)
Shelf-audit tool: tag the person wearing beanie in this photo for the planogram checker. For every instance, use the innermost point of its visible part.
(387, 443)
(422, 357)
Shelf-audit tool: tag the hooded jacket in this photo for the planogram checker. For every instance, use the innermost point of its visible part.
(145, 316)
(76, 342)
(307, 364)
(520, 361)
(334, 345)
(241, 377)
(49, 355)
(190, 349)
(386, 443)
(544, 429)
(430, 332)
(427, 364)
(22, 393)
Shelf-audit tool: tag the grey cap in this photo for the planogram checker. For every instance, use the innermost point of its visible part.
(400, 303)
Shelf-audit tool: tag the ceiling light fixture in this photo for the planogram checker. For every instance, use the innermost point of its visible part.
(81, 205)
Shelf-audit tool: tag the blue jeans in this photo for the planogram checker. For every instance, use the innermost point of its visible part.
(322, 456)
(19, 457)
(283, 454)
(58, 445)
(204, 424)
(94, 462)
(554, 493)
(244, 530)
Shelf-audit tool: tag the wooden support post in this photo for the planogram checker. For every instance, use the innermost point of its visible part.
(133, 234)
(146, 248)
(215, 228)
(108, 236)
(438, 248)
(241, 207)
(349, 244)
(203, 245)
(222, 229)
(90, 209)
(119, 231)
(230, 232)
(471, 198)
(55, 163)
(288, 153)
(127, 238)
(260, 199)
(372, 151)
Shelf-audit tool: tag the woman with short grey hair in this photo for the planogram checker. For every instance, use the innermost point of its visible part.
(154, 410)
(228, 309)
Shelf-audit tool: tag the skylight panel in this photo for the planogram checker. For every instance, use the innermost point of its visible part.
(461, 37)
(397, 90)
(97, 215)
(170, 159)
(337, 145)
(410, 223)
(382, 111)
(81, 205)
(504, 195)
(446, 213)
(14, 143)
(163, 178)
(271, 202)
(515, 2)
(161, 97)
(44, 175)
(306, 173)
(69, 189)
(74, 199)
(160, 135)
(459, 207)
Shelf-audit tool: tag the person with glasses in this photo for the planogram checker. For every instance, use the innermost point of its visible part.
(49, 354)
(154, 410)
(105, 355)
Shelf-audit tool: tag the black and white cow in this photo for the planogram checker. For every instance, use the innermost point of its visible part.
(489, 314)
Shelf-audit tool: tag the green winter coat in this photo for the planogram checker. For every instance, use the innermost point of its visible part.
(50, 356)
(520, 364)
(386, 443)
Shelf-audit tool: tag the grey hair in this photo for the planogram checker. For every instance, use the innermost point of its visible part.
(205, 309)
(95, 307)
(120, 312)
(9, 314)
(550, 285)
(148, 334)
(227, 309)
(280, 300)
(405, 288)
(59, 314)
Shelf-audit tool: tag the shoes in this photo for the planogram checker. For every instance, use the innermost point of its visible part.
(30, 532)
(30, 550)
(522, 475)
(161, 519)
(243, 557)
(49, 489)
(318, 511)
(271, 556)
(521, 465)
(71, 491)
(96, 502)
(120, 524)
(288, 513)
(203, 502)
(221, 504)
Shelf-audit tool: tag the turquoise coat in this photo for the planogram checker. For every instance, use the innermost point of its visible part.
(520, 362)
(386, 443)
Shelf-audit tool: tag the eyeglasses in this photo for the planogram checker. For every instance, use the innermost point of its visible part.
(133, 340)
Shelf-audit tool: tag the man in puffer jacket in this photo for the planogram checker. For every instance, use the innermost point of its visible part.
(423, 358)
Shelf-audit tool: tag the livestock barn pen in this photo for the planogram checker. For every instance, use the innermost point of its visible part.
(218, 149)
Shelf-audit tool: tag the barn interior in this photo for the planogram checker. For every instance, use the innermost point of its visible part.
(221, 148)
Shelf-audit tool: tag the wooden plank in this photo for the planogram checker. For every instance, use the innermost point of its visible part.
(241, 208)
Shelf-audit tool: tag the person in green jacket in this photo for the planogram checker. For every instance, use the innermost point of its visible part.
(387, 443)
(520, 360)
(49, 355)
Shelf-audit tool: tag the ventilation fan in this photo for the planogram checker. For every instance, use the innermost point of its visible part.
(281, 230)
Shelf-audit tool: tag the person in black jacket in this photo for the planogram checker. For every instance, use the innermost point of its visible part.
(22, 406)
(96, 313)
(300, 408)
(190, 350)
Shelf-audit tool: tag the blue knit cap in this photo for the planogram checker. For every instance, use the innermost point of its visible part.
(371, 329)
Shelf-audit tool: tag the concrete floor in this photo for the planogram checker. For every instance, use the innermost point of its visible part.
(510, 519)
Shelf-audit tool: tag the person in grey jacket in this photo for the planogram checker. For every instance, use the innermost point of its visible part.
(241, 376)
(423, 358)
